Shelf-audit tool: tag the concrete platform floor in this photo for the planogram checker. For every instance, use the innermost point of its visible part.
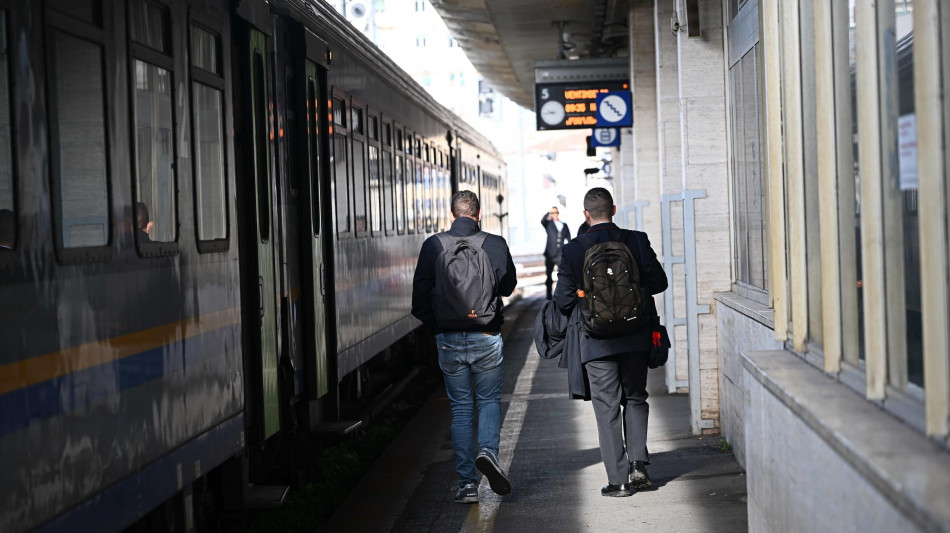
(549, 449)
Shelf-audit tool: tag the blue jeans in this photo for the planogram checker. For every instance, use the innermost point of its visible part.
(467, 356)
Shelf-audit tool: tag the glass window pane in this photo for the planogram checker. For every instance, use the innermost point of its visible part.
(359, 186)
(907, 180)
(852, 54)
(261, 138)
(205, 50)
(155, 179)
(81, 193)
(210, 178)
(389, 208)
(7, 216)
(340, 191)
(149, 24)
(339, 112)
(419, 195)
(375, 201)
(403, 196)
(313, 131)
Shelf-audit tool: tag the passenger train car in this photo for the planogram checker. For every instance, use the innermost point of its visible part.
(210, 213)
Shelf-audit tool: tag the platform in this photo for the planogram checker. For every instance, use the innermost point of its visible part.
(549, 448)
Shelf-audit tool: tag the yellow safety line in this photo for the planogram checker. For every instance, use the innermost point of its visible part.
(45, 367)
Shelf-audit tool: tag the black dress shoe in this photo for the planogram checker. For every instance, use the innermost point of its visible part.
(639, 477)
(617, 491)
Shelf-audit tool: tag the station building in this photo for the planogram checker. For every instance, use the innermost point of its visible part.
(789, 162)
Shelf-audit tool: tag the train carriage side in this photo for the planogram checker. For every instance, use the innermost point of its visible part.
(120, 373)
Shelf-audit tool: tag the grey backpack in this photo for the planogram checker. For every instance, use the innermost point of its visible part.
(465, 284)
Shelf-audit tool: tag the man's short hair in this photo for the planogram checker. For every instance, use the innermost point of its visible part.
(598, 202)
(465, 204)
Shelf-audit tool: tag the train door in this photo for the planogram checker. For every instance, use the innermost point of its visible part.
(253, 140)
(318, 376)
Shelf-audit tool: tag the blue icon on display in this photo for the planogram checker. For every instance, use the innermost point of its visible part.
(614, 109)
(605, 137)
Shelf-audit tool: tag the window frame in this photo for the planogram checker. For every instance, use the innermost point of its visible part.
(154, 58)
(355, 104)
(58, 21)
(342, 130)
(388, 144)
(372, 141)
(6, 254)
(209, 79)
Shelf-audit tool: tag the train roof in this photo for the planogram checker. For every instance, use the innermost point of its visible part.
(325, 21)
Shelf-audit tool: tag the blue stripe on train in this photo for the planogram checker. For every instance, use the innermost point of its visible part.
(64, 394)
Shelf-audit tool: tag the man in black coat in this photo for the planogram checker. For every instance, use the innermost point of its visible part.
(557, 235)
(616, 366)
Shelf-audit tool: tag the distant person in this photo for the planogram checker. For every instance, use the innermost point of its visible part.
(460, 278)
(7, 229)
(557, 235)
(142, 222)
(615, 358)
(582, 229)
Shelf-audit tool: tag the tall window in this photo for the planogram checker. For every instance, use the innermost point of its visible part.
(747, 172)
(156, 211)
(389, 193)
(340, 167)
(373, 176)
(313, 134)
(207, 101)
(359, 169)
(8, 228)
(78, 142)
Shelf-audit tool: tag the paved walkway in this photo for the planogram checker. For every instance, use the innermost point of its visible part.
(549, 448)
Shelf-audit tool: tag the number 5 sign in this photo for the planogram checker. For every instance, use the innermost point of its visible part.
(614, 109)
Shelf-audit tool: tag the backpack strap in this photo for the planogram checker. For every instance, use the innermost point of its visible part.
(477, 240)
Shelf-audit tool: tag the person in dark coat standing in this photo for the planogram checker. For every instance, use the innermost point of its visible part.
(469, 355)
(616, 366)
(557, 235)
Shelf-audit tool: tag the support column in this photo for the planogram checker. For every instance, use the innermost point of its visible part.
(645, 148)
(704, 167)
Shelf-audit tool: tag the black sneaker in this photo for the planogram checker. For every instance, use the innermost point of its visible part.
(468, 493)
(487, 464)
(617, 491)
(639, 477)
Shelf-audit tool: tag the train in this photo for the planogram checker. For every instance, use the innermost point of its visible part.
(210, 215)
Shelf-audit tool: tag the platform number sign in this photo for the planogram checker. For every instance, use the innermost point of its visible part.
(614, 110)
(565, 106)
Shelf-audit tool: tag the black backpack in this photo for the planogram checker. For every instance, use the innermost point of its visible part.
(615, 300)
(465, 284)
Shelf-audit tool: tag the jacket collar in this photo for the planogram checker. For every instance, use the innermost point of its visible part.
(602, 225)
(463, 226)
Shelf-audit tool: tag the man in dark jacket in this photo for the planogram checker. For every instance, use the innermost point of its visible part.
(469, 354)
(616, 366)
(557, 235)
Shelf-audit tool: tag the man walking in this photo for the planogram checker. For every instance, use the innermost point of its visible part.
(456, 292)
(616, 364)
(557, 234)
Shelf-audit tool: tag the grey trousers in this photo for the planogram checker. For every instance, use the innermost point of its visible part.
(618, 388)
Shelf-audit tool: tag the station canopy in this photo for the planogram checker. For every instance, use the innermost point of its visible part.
(504, 38)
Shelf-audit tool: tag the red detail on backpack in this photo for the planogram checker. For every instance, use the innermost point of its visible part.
(656, 339)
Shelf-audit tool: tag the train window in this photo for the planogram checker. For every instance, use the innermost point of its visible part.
(85, 10)
(389, 194)
(373, 177)
(373, 132)
(211, 208)
(7, 209)
(339, 112)
(359, 172)
(149, 25)
(356, 120)
(156, 209)
(313, 129)
(205, 50)
(398, 140)
(387, 134)
(78, 142)
(210, 180)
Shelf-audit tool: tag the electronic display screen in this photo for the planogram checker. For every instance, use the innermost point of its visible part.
(567, 106)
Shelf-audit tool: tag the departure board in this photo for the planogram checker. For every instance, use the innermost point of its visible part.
(566, 106)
